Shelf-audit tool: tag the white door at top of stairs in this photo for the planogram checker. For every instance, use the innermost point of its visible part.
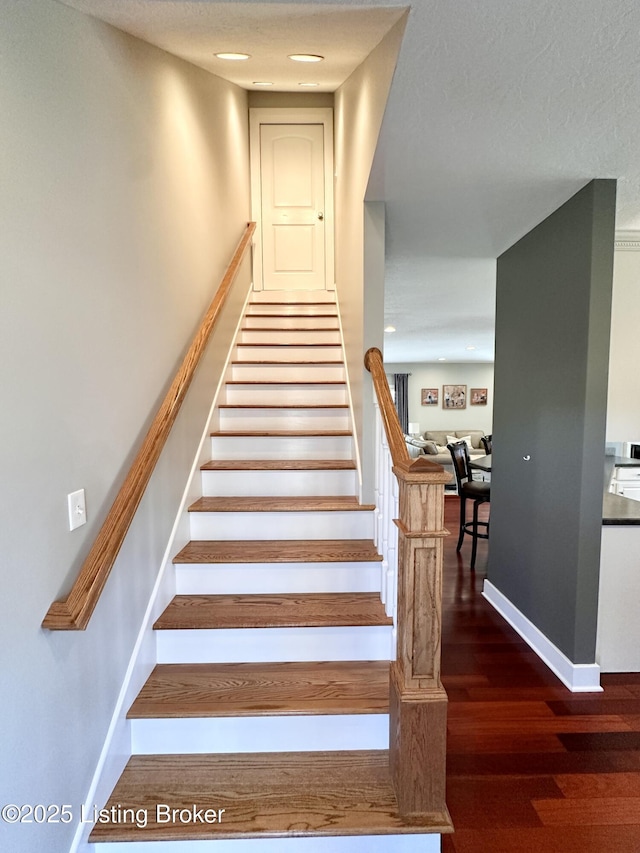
(292, 198)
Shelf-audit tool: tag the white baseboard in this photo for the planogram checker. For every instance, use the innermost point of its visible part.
(578, 677)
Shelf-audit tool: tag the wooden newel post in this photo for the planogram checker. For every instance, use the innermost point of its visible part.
(418, 702)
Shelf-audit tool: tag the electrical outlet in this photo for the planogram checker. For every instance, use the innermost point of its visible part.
(77, 509)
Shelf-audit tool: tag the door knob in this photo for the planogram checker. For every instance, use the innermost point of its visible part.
(321, 216)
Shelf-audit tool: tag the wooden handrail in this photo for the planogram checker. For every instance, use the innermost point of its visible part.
(388, 412)
(400, 458)
(73, 612)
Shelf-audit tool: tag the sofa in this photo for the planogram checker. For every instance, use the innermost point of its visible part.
(433, 444)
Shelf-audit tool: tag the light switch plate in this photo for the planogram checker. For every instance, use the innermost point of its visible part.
(77, 509)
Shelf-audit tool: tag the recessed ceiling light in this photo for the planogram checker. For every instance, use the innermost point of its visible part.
(308, 84)
(306, 57)
(442, 359)
(236, 57)
(469, 348)
(262, 83)
(389, 328)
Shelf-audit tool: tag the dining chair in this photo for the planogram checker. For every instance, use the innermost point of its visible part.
(469, 489)
(487, 443)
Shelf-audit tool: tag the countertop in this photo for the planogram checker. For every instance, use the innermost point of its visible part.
(623, 461)
(615, 508)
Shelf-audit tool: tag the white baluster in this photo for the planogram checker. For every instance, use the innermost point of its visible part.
(386, 532)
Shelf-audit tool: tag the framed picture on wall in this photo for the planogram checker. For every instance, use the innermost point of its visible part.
(478, 397)
(454, 396)
(429, 396)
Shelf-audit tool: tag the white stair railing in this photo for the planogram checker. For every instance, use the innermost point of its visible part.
(386, 499)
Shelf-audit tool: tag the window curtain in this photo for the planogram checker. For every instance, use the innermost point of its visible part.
(401, 385)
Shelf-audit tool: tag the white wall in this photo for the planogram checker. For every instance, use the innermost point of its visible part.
(435, 376)
(623, 400)
(124, 189)
(359, 109)
(373, 317)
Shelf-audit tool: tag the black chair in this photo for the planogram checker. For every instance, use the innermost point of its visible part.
(468, 488)
(486, 443)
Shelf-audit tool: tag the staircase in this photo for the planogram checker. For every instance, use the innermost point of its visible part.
(266, 716)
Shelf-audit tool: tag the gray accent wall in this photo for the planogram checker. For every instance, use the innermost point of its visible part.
(553, 314)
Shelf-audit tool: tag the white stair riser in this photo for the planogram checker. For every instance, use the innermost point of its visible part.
(290, 336)
(272, 578)
(281, 525)
(280, 419)
(288, 353)
(256, 321)
(291, 310)
(281, 447)
(288, 372)
(278, 483)
(275, 645)
(305, 733)
(282, 394)
(293, 297)
(413, 843)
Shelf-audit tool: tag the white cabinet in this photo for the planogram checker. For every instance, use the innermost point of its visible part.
(629, 490)
(618, 632)
(626, 481)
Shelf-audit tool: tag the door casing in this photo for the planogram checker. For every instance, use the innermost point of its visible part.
(313, 115)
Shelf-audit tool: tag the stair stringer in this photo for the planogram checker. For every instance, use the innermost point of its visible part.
(354, 438)
(117, 747)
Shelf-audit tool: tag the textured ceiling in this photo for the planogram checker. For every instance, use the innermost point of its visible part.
(498, 113)
(269, 32)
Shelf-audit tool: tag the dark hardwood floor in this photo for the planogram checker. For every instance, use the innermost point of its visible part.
(531, 767)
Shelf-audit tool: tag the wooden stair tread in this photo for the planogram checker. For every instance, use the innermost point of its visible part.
(287, 343)
(279, 465)
(290, 362)
(279, 551)
(263, 689)
(280, 329)
(300, 382)
(338, 503)
(285, 610)
(265, 433)
(288, 316)
(283, 406)
(264, 795)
